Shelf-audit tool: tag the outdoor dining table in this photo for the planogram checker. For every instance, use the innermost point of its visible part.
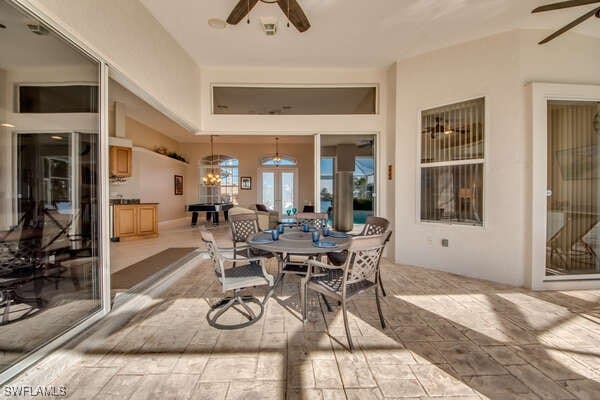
(296, 242)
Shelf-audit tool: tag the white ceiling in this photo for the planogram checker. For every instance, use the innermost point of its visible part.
(350, 33)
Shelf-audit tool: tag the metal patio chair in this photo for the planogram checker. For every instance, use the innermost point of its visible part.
(316, 220)
(253, 273)
(342, 283)
(373, 226)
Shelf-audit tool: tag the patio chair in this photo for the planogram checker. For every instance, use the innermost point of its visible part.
(242, 227)
(373, 226)
(316, 220)
(236, 278)
(342, 283)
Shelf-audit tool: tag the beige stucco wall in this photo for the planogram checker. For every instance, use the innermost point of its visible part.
(249, 154)
(497, 67)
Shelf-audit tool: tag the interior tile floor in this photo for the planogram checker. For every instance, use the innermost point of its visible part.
(448, 337)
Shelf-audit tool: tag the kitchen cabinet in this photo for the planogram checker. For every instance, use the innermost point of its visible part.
(135, 221)
(121, 161)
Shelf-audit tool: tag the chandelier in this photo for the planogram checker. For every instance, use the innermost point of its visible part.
(213, 178)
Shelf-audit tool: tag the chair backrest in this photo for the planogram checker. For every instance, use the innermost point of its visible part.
(375, 226)
(308, 209)
(243, 226)
(213, 252)
(364, 255)
(318, 220)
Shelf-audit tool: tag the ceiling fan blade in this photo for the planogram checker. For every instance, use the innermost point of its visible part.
(296, 15)
(564, 4)
(570, 25)
(240, 11)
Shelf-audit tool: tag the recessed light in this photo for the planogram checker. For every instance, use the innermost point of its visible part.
(2, 26)
(8, 125)
(56, 137)
(217, 23)
(222, 107)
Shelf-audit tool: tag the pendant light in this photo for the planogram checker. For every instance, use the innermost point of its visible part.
(213, 178)
(276, 158)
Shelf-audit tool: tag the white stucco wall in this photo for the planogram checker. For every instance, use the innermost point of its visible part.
(137, 48)
(497, 67)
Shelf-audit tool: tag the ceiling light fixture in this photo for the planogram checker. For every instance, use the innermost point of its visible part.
(56, 137)
(8, 125)
(217, 23)
(276, 158)
(213, 178)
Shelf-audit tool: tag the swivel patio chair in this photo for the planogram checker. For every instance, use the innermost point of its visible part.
(373, 226)
(236, 278)
(342, 283)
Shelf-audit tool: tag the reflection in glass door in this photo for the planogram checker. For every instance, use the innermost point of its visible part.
(279, 190)
(573, 209)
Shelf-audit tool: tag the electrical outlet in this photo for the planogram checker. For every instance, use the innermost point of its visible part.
(444, 242)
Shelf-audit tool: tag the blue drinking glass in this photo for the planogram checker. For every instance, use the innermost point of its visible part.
(306, 227)
(289, 212)
(294, 210)
(280, 228)
(275, 234)
(315, 236)
(325, 231)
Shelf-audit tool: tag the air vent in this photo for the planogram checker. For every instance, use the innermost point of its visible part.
(38, 29)
(269, 25)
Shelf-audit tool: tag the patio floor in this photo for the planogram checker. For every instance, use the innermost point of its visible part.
(448, 337)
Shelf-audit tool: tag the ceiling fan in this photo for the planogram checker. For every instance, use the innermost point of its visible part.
(568, 4)
(290, 8)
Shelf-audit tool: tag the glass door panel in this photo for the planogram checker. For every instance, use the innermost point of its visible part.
(268, 190)
(573, 209)
(287, 191)
(50, 241)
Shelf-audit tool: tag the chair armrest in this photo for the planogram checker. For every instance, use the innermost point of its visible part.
(315, 263)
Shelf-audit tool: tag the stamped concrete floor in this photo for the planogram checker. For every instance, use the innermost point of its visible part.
(448, 337)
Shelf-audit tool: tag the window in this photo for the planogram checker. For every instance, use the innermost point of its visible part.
(229, 179)
(256, 100)
(452, 158)
(285, 161)
(63, 98)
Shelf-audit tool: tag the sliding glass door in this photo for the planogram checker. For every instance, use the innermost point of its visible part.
(573, 194)
(50, 257)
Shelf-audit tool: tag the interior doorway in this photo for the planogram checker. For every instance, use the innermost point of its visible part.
(347, 179)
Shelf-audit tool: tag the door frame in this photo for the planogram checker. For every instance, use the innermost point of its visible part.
(294, 170)
(538, 94)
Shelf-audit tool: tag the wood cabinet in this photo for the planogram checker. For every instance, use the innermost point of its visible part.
(135, 221)
(120, 161)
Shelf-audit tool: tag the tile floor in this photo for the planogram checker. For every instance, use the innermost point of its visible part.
(449, 337)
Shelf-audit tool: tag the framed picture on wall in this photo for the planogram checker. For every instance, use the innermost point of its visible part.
(178, 185)
(246, 182)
